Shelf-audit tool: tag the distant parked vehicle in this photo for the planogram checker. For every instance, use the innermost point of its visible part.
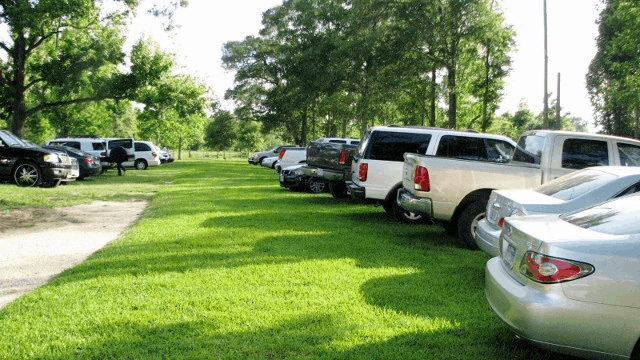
(294, 178)
(270, 162)
(145, 155)
(570, 192)
(570, 283)
(257, 157)
(27, 166)
(330, 159)
(89, 165)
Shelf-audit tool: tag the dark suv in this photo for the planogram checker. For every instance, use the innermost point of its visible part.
(31, 165)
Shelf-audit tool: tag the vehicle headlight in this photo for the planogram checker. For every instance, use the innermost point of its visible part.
(52, 158)
(298, 172)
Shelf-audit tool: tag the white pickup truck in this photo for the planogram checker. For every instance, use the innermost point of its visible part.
(455, 192)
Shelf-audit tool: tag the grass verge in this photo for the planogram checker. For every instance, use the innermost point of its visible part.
(225, 264)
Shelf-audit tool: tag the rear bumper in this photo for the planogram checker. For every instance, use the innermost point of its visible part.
(327, 174)
(487, 238)
(414, 204)
(356, 190)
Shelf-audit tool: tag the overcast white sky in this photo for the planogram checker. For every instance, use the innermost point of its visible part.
(207, 24)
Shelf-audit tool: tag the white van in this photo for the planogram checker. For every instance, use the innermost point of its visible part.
(96, 146)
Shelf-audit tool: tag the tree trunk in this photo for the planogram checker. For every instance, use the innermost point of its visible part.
(453, 96)
(19, 112)
(432, 115)
(485, 100)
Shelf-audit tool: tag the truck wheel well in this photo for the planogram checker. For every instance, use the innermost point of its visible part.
(391, 195)
(480, 194)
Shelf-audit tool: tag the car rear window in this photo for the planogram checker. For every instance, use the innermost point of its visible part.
(616, 217)
(391, 145)
(529, 149)
(571, 186)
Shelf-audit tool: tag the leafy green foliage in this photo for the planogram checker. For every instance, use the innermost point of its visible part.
(222, 132)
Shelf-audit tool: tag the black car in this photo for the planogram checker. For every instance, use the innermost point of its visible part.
(31, 166)
(294, 178)
(89, 164)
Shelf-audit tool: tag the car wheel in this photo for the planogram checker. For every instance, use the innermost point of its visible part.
(27, 174)
(339, 190)
(141, 164)
(260, 161)
(316, 185)
(468, 223)
(405, 216)
(450, 228)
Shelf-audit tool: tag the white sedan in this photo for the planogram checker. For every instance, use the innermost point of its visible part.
(573, 191)
(270, 162)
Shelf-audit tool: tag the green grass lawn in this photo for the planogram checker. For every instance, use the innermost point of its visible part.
(225, 264)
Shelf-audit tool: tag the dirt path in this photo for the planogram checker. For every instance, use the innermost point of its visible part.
(37, 244)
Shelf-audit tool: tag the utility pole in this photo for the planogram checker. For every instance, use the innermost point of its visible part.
(558, 124)
(545, 114)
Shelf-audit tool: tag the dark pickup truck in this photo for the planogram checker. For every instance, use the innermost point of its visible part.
(330, 159)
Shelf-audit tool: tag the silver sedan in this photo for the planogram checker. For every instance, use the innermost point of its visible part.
(571, 192)
(571, 283)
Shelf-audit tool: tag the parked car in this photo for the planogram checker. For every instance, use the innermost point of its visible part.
(26, 165)
(257, 157)
(91, 144)
(330, 159)
(294, 178)
(570, 283)
(89, 165)
(292, 156)
(571, 192)
(165, 155)
(270, 162)
(145, 155)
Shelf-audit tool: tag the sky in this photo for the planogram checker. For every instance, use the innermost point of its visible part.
(205, 25)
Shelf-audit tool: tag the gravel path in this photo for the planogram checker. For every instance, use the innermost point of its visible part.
(37, 244)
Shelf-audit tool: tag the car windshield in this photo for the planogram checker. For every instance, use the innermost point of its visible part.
(10, 139)
(616, 217)
(578, 183)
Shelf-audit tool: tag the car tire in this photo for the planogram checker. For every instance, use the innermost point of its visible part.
(260, 161)
(339, 190)
(141, 164)
(468, 223)
(27, 174)
(450, 228)
(316, 186)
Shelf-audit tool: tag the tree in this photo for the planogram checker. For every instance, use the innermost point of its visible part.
(222, 132)
(613, 78)
(56, 49)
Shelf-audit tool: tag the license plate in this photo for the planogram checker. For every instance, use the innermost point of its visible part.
(508, 255)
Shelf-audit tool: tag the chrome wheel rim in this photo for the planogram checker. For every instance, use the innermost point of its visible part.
(26, 175)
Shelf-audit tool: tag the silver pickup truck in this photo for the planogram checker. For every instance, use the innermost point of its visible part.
(455, 191)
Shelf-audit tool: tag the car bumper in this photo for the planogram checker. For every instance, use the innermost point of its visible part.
(414, 204)
(327, 174)
(542, 315)
(292, 181)
(356, 190)
(487, 238)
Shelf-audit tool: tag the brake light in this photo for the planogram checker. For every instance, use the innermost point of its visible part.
(343, 157)
(548, 270)
(501, 222)
(364, 169)
(154, 154)
(87, 160)
(281, 154)
(421, 179)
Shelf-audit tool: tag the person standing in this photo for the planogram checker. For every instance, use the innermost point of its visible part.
(119, 155)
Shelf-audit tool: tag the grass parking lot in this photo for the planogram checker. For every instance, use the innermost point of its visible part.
(225, 264)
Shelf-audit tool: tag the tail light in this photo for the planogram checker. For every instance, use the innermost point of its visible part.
(547, 270)
(87, 160)
(364, 169)
(343, 157)
(281, 154)
(421, 179)
(154, 154)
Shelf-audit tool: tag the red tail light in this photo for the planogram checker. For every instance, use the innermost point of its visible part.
(87, 160)
(364, 169)
(281, 154)
(421, 180)
(501, 222)
(343, 157)
(547, 269)
(154, 154)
